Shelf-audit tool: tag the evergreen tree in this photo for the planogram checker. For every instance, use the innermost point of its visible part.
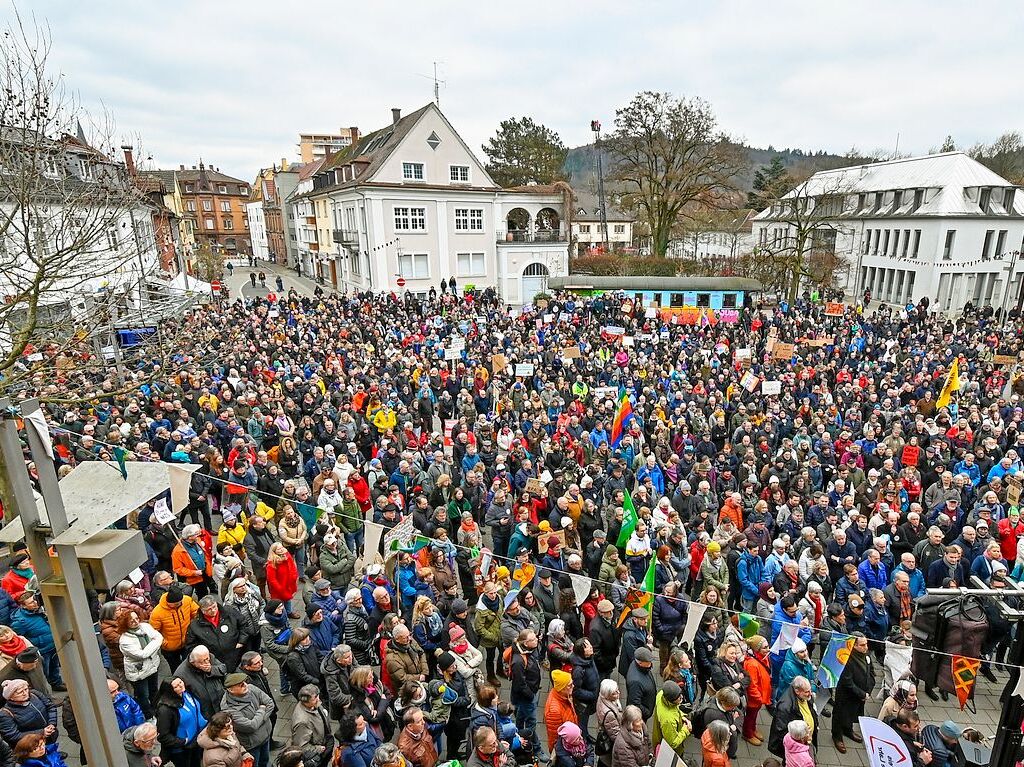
(770, 183)
(524, 152)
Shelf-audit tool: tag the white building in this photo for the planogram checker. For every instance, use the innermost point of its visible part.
(588, 229)
(731, 239)
(411, 201)
(258, 230)
(942, 226)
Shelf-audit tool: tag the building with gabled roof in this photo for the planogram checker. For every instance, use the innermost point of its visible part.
(215, 204)
(411, 202)
(942, 226)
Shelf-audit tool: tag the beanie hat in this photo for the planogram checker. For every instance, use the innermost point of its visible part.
(311, 609)
(459, 606)
(672, 691)
(714, 547)
(455, 633)
(799, 645)
(559, 680)
(11, 686)
(174, 594)
(445, 661)
(554, 542)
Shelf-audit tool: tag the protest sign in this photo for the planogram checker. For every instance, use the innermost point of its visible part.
(571, 352)
(769, 388)
(524, 369)
(1005, 359)
(498, 363)
(834, 309)
(910, 455)
(162, 512)
(534, 486)
(783, 351)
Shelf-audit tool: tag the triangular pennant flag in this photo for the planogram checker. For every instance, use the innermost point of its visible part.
(965, 672)
(748, 625)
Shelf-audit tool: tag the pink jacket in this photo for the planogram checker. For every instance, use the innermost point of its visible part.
(797, 754)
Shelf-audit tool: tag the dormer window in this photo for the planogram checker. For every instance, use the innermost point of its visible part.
(1008, 200)
(86, 171)
(984, 198)
(897, 200)
(918, 198)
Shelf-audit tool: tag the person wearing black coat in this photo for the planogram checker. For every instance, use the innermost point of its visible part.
(854, 688)
(668, 620)
(705, 649)
(458, 719)
(221, 629)
(788, 710)
(605, 638)
(634, 636)
(26, 713)
(302, 664)
(641, 686)
(204, 678)
(586, 681)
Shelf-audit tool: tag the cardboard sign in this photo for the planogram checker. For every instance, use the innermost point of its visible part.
(834, 309)
(498, 363)
(627, 340)
(770, 388)
(571, 353)
(627, 307)
(534, 486)
(524, 370)
(1005, 359)
(541, 303)
(911, 455)
(650, 313)
(820, 341)
(548, 318)
(783, 351)
(1013, 491)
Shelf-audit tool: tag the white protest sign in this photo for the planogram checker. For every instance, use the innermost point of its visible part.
(884, 745)
(614, 330)
(452, 354)
(524, 369)
(162, 513)
(580, 588)
(627, 340)
(602, 392)
(694, 613)
(650, 312)
(35, 357)
(768, 388)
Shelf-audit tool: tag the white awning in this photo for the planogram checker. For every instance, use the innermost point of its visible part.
(186, 283)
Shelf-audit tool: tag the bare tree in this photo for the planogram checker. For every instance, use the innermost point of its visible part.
(1004, 156)
(811, 219)
(670, 156)
(77, 246)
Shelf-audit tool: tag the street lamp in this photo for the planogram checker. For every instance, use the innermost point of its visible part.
(595, 126)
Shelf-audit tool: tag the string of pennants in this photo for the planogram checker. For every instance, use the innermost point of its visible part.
(384, 245)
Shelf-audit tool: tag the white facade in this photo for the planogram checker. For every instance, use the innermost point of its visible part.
(418, 206)
(942, 226)
(589, 231)
(258, 230)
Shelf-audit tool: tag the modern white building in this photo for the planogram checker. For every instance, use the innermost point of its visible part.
(731, 239)
(411, 202)
(258, 230)
(942, 226)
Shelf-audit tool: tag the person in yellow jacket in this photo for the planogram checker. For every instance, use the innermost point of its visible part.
(670, 726)
(232, 531)
(385, 419)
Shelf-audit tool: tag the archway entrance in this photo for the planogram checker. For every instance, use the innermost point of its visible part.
(535, 280)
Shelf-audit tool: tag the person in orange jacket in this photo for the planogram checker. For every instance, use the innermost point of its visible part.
(759, 694)
(732, 509)
(559, 707)
(191, 562)
(172, 616)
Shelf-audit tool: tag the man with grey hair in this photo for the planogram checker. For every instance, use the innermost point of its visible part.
(139, 742)
(204, 677)
(311, 728)
(336, 668)
(794, 704)
(251, 711)
(221, 628)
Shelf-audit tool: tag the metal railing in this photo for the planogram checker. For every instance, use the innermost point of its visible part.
(541, 235)
(346, 236)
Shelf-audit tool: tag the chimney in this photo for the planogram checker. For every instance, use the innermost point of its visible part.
(396, 115)
(181, 167)
(129, 159)
(354, 131)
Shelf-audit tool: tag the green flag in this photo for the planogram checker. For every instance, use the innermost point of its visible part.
(119, 456)
(629, 520)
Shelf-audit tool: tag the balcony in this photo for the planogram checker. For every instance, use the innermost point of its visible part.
(346, 236)
(541, 235)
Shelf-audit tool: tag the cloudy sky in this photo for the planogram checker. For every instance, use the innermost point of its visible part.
(235, 82)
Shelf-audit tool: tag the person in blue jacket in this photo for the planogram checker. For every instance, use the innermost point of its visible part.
(786, 612)
(31, 622)
(652, 471)
(357, 741)
(126, 708)
(873, 573)
(750, 571)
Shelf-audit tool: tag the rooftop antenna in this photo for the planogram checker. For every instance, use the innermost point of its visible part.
(896, 153)
(437, 83)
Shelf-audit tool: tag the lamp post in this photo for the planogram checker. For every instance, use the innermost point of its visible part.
(595, 126)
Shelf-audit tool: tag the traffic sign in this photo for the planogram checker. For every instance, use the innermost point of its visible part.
(400, 282)
(215, 286)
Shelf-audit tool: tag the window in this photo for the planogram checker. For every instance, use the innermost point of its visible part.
(986, 248)
(207, 205)
(947, 250)
(414, 266)
(469, 219)
(879, 196)
(470, 264)
(1001, 243)
(190, 206)
(189, 187)
(984, 198)
(228, 223)
(917, 243)
(222, 188)
(112, 242)
(584, 228)
(885, 247)
(1008, 199)
(410, 219)
(225, 206)
(412, 171)
(897, 200)
(728, 300)
(209, 223)
(86, 171)
(867, 241)
(459, 173)
(243, 190)
(676, 300)
(918, 198)
(620, 229)
(703, 299)
(906, 242)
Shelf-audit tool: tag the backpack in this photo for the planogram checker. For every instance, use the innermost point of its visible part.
(699, 718)
(506, 660)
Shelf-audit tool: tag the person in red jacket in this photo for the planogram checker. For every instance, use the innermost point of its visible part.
(361, 488)
(1009, 530)
(282, 577)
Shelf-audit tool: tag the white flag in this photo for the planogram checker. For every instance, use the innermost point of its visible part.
(786, 637)
(884, 745)
(694, 613)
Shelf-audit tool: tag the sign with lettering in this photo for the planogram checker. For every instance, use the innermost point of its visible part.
(770, 388)
(1005, 359)
(1013, 491)
(783, 351)
(498, 363)
(834, 309)
(571, 353)
(911, 455)
(524, 369)
(534, 486)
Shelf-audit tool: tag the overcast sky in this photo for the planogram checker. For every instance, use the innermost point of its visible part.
(235, 82)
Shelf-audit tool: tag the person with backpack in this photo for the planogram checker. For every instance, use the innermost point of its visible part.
(724, 706)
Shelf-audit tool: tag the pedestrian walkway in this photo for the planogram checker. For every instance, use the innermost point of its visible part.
(239, 283)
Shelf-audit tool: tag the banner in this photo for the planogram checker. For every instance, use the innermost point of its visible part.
(398, 536)
(694, 614)
(884, 745)
(834, 309)
(834, 659)
(1005, 359)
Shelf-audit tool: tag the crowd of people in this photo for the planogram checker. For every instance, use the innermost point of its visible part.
(443, 560)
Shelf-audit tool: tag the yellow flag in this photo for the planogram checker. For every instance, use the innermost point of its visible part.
(952, 384)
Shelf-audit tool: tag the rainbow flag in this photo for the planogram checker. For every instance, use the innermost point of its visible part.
(622, 418)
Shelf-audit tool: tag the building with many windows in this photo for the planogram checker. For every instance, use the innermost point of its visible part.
(266, 224)
(215, 202)
(942, 226)
(588, 230)
(411, 202)
(318, 146)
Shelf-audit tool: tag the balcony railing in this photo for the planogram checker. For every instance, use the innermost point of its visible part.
(541, 235)
(346, 236)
